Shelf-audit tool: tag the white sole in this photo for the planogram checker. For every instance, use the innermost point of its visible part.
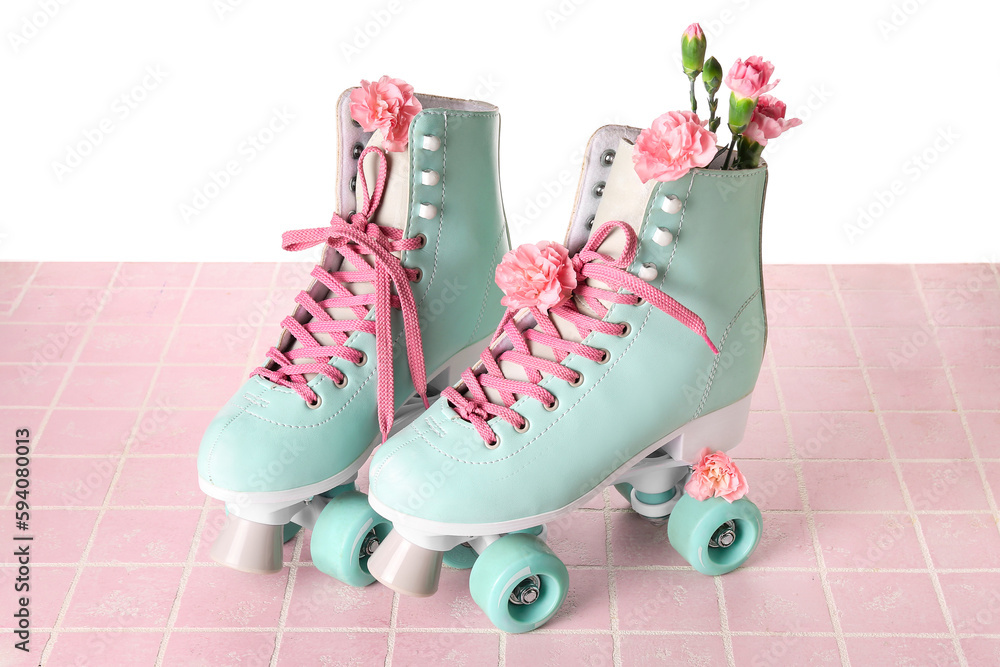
(724, 428)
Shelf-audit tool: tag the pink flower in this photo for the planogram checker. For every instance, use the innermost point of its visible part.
(715, 475)
(539, 275)
(676, 142)
(750, 78)
(694, 31)
(388, 105)
(768, 121)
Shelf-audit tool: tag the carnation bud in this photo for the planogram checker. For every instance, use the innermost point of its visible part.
(712, 76)
(693, 46)
(740, 112)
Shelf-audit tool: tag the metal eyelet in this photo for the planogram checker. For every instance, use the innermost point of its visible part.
(356, 151)
(355, 123)
(608, 157)
(422, 239)
(599, 189)
(316, 404)
(605, 357)
(354, 183)
(493, 445)
(362, 361)
(626, 330)
(554, 405)
(524, 427)
(577, 381)
(418, 277)
(341, 383)
(590, 222)
(640, 302)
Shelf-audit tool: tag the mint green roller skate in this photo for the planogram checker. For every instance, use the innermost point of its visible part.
(402, 301)
(627, 358)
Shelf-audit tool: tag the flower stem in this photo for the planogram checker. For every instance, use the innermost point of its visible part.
(694, 101)
(713, 121)
(729, 154)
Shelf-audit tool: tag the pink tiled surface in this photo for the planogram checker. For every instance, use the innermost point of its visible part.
(873, 442)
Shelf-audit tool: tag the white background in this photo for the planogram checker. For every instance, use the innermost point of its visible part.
(876, 82)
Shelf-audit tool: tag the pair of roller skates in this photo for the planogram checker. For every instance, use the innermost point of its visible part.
(625, 358)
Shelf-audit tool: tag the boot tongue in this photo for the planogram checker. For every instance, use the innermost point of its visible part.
(392, 212)
(624, 198)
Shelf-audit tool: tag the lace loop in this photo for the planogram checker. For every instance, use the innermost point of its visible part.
(475, 406)
(356, 238)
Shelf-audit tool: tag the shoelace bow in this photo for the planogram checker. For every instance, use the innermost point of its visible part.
(354, 238)
(477, 408)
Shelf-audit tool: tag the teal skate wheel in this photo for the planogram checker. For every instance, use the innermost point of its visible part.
(461, 557)
(346, 533)
(713, 535)
(519, 582)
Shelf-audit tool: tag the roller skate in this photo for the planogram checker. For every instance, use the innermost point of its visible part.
(625, 358)
(402, 300)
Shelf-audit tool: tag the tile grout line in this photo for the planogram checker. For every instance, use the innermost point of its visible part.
(824, 578)
(293, 570)
(390, 640)
(27, 283)
(609, 566)
(206, 504)
(977, 461)
(117, 474)
(904, 488)
(727, 636)
(192, 552)
(188, 566)
(64, 382)
(71, 365)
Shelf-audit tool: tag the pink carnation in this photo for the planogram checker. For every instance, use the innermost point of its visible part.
(751, 78)
(539, 275)
(715, 475)
(388, 105)
(768, 121)
(676, 142)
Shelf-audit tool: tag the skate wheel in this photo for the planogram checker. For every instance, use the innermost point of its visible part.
(518, 582)
(346, 533)
(289, 531)
(715, 536)
(461, 557)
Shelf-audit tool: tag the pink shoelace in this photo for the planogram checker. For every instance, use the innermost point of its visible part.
(354, 238)
(476, 408)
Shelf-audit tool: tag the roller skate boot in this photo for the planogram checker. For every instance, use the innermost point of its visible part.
(625, 358)
(402, 300)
